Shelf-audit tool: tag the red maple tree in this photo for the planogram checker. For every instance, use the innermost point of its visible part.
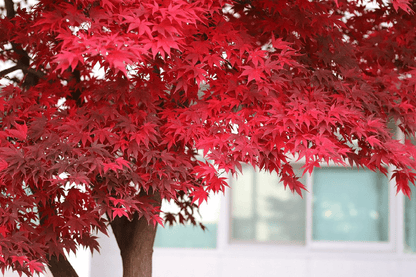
(113, 101)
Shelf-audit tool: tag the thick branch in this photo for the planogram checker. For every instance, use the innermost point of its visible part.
(27, 69)
(61, 267)
(9, 70)
(10, 8)
(24, 68)
(24, 59)
(76, 93)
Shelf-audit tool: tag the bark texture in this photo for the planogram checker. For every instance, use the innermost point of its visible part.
(135, 239)
(61, 267)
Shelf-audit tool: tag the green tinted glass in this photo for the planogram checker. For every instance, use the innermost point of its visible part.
(263, 211)
(349, 205)
(188, 236)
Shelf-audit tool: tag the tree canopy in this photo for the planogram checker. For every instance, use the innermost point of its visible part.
(108, 104)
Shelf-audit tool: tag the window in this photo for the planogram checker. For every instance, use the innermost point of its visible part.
(349, 205)
(346, 205)
(410, 222)
(410, 218)
(263, 211)
(188, 236)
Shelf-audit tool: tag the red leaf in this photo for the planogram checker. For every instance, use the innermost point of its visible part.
(4, 231)
(199, 195)
(252, 73)
(402, 4)
(35, 267)
(3, 164)
(20, 132)
(20, 259)
(120, 212)
(67, 59)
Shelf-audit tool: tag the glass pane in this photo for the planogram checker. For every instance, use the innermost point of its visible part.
(410, 216)
(349, 205)
(410, 222)
(263, 211)
(188, 236)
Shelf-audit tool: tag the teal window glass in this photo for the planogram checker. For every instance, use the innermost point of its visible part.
(410, 216)
(349, 205)
(188, 236)
(410, 222)
(263, 211)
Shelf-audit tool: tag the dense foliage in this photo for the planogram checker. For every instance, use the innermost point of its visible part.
(113, 100)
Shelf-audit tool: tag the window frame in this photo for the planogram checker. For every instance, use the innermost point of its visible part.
(401, 209)
(377, 246)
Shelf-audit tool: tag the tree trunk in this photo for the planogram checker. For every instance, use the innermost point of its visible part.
(61, 267)
(135, 239)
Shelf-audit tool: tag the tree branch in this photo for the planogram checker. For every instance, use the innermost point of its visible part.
(24, 60)
(27, 69)
(9, 70)
(24, 68)
(10, 8)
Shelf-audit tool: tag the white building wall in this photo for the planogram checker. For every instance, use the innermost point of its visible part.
(251, 260)
(258, 260)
